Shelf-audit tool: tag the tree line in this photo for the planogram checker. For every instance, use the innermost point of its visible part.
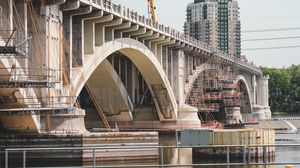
(284, 88)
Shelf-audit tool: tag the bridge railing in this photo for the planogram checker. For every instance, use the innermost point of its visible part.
(142, 20)
(245, 161)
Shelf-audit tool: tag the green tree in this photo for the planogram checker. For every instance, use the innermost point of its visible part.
(284, 85)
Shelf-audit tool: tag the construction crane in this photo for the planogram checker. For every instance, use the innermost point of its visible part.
(152, 10)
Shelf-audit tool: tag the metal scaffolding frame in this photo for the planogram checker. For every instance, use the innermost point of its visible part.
(214, 90)
(16, 77)
(13, 43)
(52, 105)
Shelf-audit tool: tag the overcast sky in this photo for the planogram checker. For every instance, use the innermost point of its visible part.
(255, 15)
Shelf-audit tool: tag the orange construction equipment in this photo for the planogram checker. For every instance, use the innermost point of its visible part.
(152, 10)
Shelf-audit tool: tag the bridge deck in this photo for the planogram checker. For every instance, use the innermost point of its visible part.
(190, 43)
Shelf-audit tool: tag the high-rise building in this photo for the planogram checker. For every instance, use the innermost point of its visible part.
(215, 22)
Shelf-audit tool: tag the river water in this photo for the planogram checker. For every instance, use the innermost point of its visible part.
(289, 154)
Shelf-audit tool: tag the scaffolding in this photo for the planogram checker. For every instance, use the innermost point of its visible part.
(39, 105)
(17, 77)
(13, 43)
(215, 90)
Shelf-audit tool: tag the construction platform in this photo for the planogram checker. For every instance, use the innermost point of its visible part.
(27, 84)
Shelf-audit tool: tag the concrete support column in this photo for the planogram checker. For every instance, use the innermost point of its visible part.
(77, 41)
(156, 47)
(165, 60)
(187, 67)
(75, 13)
(179, 76)
(126, 74)
(191, 65)
(147, 40)
(88, 39)
(109, 29)
(159, 53)
(67, 25)
(195, 62)
(96, 36)
(263, 95)
(199, 62)
(254, 84)
(129, 81)
(171, 67)
(89, 32)
(135, 84)
(100, 30)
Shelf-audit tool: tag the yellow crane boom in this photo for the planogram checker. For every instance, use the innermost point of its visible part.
(152, 10)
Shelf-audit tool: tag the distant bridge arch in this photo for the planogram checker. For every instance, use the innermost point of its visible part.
(147, 64)
(192, 79)
(246, 101)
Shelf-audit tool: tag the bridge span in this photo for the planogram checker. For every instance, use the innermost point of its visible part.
(91, 63)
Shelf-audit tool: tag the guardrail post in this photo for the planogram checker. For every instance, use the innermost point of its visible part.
(244, 155)
(249, 155)
(161, 157)
(6, 159)
(265, 155)
(24, 159)
(94, 158)
(176, 135)
(228, 158)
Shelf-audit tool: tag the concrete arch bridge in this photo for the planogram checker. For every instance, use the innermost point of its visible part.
(112, 65)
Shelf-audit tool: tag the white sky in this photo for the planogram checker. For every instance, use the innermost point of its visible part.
(255, 14)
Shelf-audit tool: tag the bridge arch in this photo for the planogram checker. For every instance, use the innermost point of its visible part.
(246, 101)
(192, 79)
(147, 64)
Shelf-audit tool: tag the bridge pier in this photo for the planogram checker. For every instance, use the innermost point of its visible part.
(263, 109)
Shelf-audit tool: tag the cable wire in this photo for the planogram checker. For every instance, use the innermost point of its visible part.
(275, 38)
(270, 48)
(270, 30)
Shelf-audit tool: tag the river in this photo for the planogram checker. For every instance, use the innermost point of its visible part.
(289, 154)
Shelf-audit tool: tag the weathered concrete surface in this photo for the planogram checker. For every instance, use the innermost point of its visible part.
(145, 61)
(122, 139)
(111, 93)
(80, 157)
(174, 155)
(57, 123)
(75, 37)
